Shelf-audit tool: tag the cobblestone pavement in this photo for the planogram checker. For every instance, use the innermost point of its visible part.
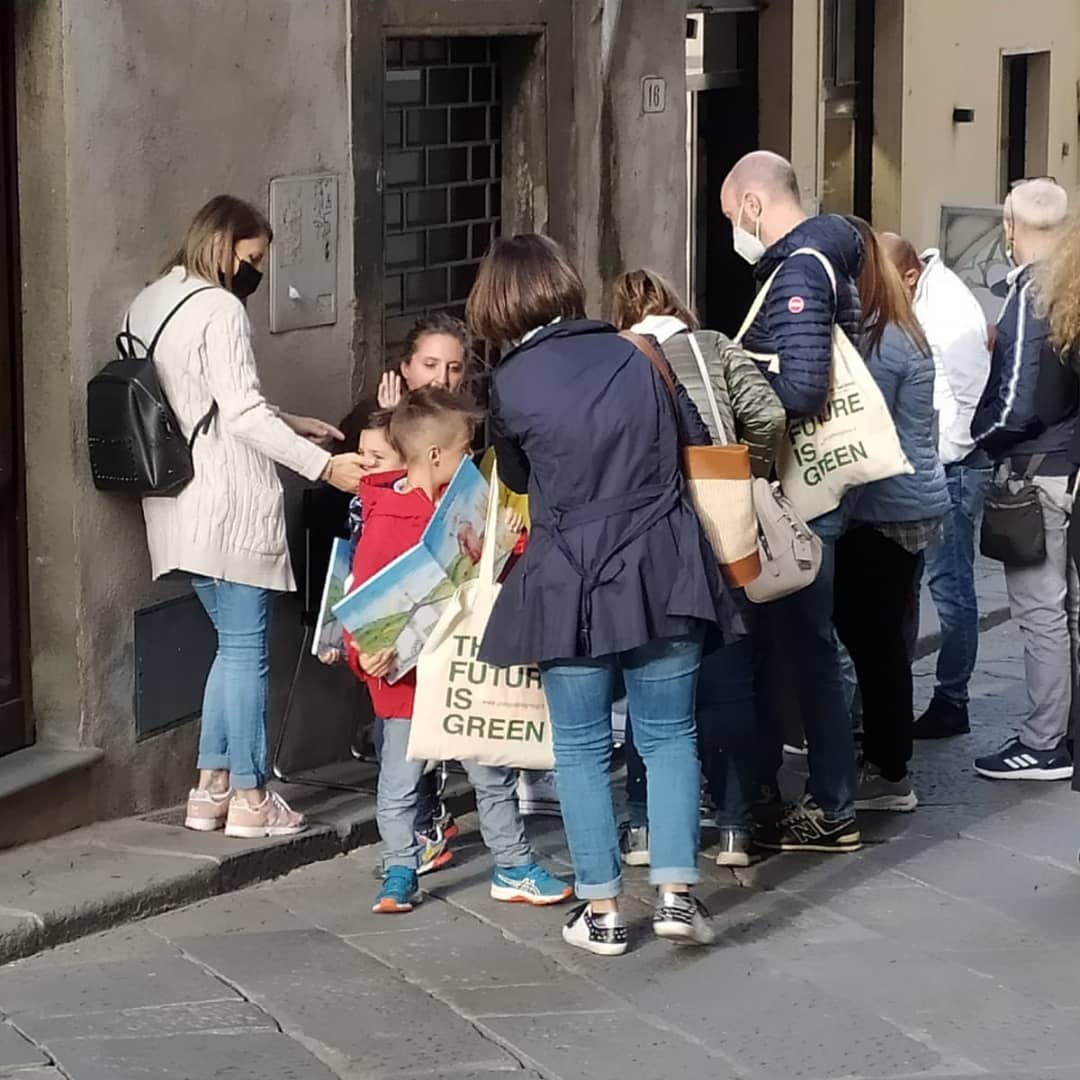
(948, 947)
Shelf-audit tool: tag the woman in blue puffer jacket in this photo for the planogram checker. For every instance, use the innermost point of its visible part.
(892, 522)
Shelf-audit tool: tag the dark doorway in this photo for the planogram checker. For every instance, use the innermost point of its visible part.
(443, 174)
(15, 730)
(724, 127)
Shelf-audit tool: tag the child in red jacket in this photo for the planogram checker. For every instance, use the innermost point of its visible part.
(433, 429)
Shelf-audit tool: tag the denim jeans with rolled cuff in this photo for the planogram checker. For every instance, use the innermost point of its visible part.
(661, 680)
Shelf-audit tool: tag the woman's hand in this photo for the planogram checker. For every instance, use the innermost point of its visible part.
(391, 390)
(344, 471)
(377, 665)
(330, 657)
(515, 521)
(317, 431)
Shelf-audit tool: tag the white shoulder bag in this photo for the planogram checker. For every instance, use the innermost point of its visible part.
(853, 440)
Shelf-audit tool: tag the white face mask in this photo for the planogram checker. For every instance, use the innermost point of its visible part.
(748, 245)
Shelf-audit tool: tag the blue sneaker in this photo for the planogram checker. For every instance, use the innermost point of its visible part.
(530, 884)
(1015, 761)
(400, 892)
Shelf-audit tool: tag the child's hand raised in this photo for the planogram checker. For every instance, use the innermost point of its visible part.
(377, 665)
(391, 389)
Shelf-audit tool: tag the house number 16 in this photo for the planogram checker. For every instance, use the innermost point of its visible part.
(653, 94)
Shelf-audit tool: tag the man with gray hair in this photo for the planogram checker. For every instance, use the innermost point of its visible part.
(1025, 422)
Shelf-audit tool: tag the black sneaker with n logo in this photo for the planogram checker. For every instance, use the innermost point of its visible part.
(804, 827)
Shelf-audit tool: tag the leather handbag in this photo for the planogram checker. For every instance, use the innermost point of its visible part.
(791, 551)
(1013, 531)
(135, 440)
(719, 482)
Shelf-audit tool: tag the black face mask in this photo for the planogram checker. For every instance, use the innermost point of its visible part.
(245, 281)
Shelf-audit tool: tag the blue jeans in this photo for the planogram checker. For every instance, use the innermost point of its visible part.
(233, 732)
(950, 573)
(727, 735)
(798, 662)
(428, 803)
(398, 796)
(660, 680)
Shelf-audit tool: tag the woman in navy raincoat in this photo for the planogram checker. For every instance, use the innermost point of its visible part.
(617, 577)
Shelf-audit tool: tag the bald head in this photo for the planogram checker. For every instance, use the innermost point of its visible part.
(765, 173)
(762, 194)
(1035, 212)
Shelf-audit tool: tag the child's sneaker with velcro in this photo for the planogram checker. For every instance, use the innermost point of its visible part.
(400, 892)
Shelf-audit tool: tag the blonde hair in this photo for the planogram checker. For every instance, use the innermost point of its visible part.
(1059, 287)
(212, 236)
(638, 293)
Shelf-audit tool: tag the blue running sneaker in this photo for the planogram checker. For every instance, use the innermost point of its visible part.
(530, 884)
(400, 892)
(1015, 761)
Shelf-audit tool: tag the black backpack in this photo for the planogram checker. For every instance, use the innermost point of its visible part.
(136, 444)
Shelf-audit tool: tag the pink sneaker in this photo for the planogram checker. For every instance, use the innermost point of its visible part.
(206, 811)
(272, 817)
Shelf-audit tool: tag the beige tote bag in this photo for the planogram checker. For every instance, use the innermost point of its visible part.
(718, 481)
(852, 442)
(467, 710)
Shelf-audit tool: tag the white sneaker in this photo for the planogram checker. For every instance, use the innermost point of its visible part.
(538, 794)
(605, 935)
(682, 917)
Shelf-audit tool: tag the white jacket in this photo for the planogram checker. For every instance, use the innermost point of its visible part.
(955, 326)
(229, 522)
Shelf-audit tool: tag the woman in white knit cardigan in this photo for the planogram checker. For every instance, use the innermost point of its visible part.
(227, 527)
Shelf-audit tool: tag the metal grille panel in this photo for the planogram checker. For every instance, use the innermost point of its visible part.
(442, 174)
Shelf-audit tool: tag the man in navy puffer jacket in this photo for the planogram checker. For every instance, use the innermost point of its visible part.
(795, 638)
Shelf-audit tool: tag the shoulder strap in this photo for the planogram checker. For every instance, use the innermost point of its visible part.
(1035, 463)
(709, 393)
(823, 259)
(756, 306)
(759, 300)
(643, 345)
(168, 318)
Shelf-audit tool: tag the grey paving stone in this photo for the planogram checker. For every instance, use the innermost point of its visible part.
(964, 1016)
(317, 986)
(157, 1020)
(269, 1056)
(17, 1051)
(567, 994)
(132, 942)
(250, 911)
(72, 988)
(1048, 974)
(31, 1074)
(773, 1022)
(459, 953)
(609, 1046)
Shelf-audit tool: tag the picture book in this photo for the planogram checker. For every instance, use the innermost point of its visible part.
(399, 607)
(327, 629)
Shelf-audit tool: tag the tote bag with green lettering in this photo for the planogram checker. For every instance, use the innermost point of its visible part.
(853, 440)
(470, 711)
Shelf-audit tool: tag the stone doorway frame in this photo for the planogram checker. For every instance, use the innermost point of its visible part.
(16, 724)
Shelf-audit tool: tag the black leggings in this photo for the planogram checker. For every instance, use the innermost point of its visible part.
(874, 579)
